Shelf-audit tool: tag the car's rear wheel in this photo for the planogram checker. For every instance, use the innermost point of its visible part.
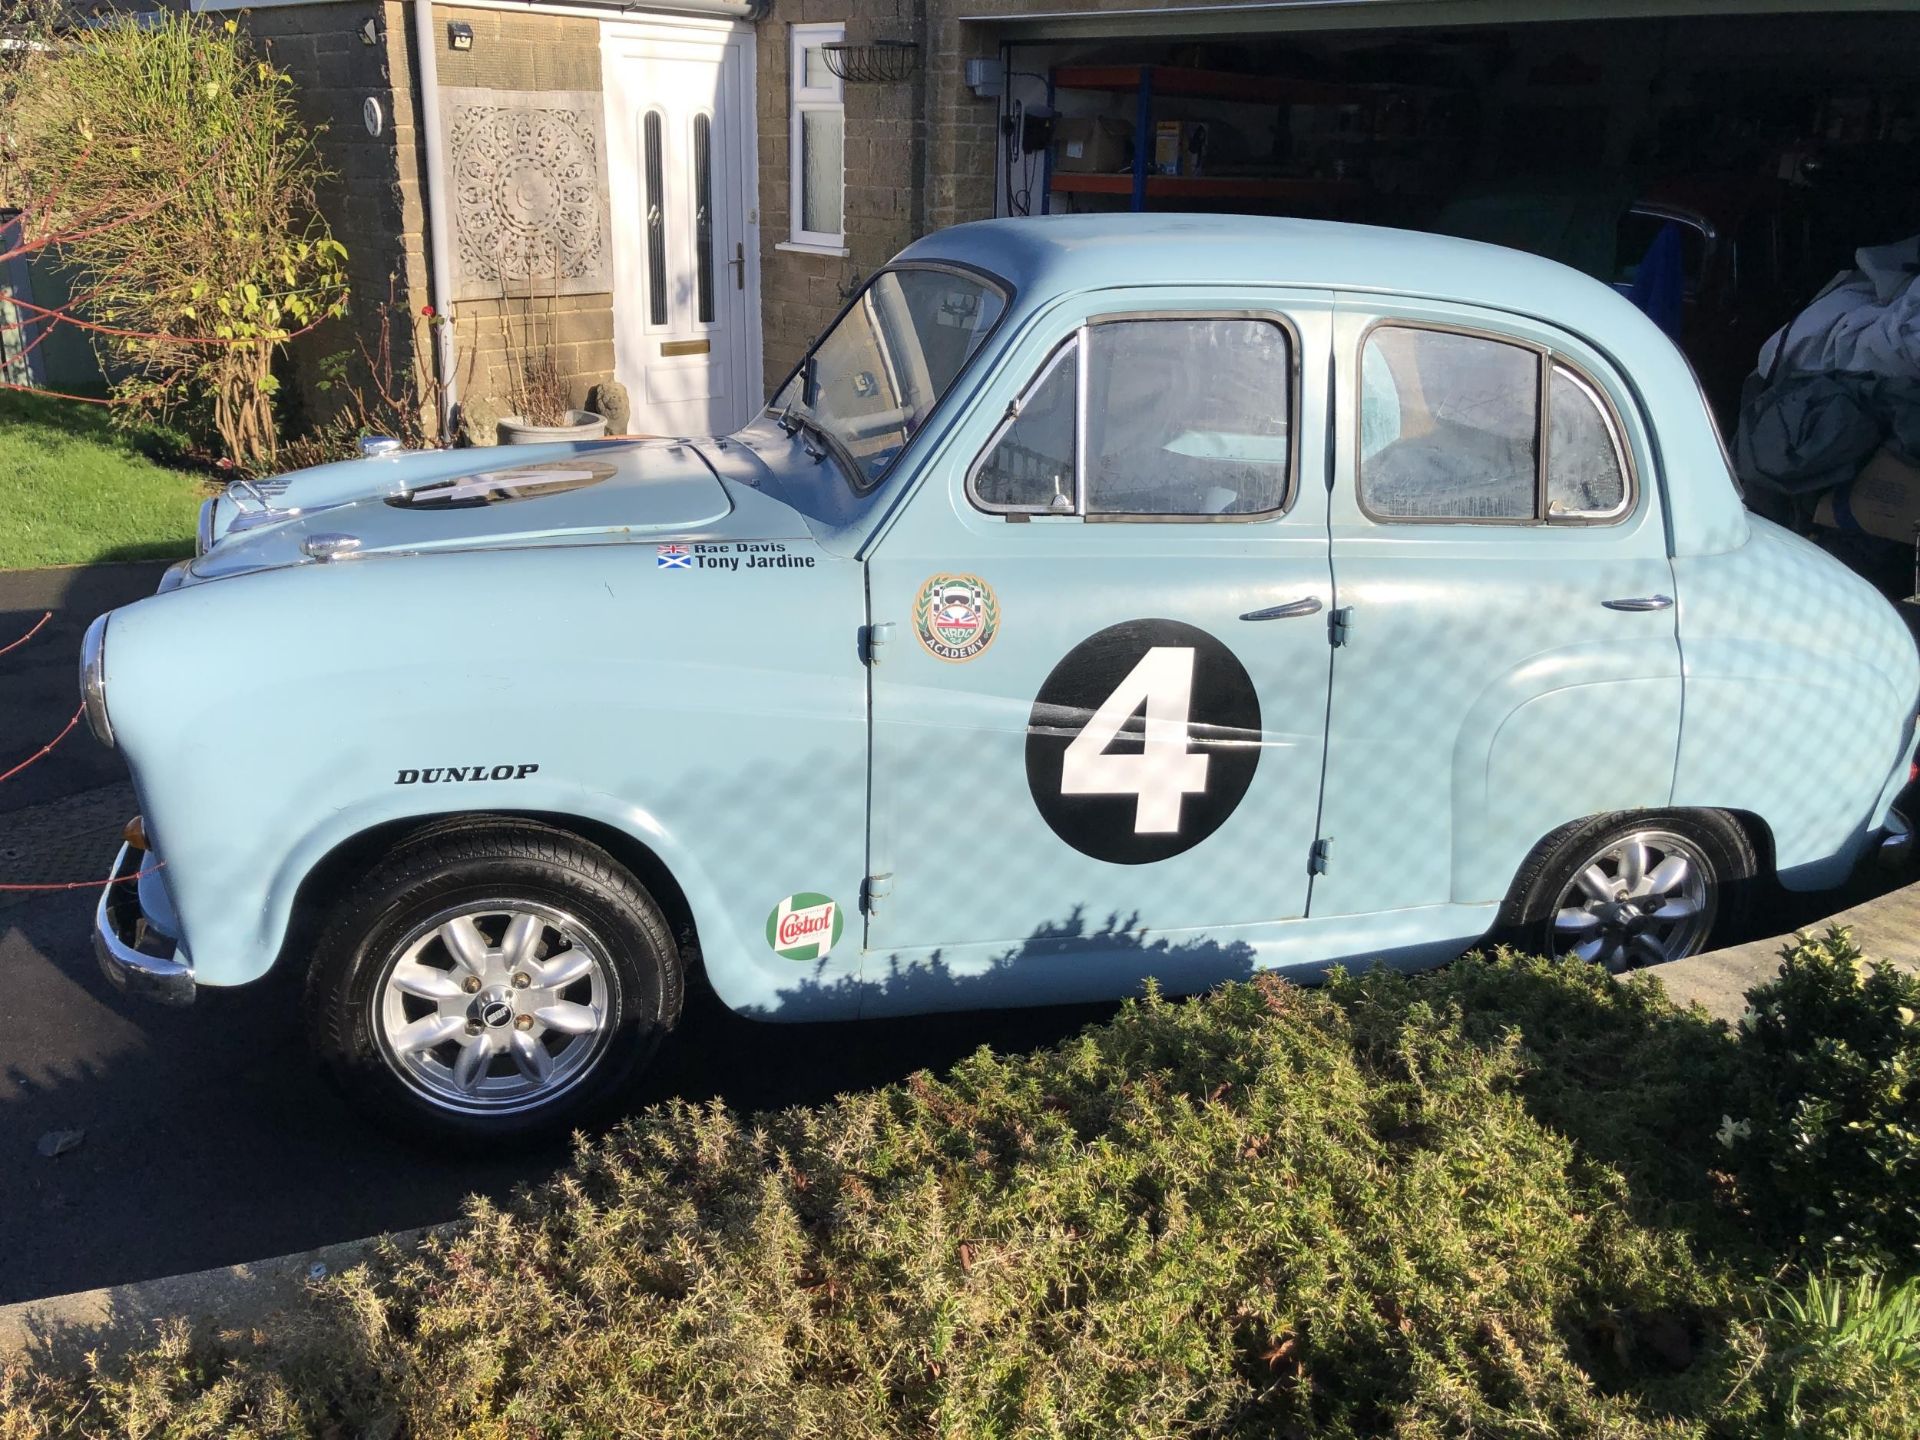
(1623, 891)
(489, 985)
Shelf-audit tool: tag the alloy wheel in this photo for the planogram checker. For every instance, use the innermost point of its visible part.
(494, 1006)
(1643, 899)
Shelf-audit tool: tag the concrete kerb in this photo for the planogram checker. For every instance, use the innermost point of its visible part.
(60, 1330)
(1886, 928)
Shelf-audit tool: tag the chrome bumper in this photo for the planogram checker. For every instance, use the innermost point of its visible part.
(1895, 844)
(136, 958)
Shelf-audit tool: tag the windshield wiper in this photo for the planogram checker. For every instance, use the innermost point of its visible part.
(842, 456)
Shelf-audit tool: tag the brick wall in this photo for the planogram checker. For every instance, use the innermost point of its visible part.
(920, 156)
(884, 159)
(526, 52)
(374, 200)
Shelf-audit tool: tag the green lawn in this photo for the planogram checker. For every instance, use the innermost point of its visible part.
(74, 490)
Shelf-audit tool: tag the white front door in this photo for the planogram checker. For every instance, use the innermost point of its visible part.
(680, 165)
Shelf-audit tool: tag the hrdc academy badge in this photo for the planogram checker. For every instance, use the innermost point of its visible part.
(956, 616)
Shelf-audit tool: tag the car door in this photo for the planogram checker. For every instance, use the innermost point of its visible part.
(1100, 694)
(1510, 659)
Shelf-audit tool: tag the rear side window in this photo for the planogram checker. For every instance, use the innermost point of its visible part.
(1183, 417)
(1468, 428)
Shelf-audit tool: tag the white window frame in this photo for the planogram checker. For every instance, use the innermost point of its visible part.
(804, 99)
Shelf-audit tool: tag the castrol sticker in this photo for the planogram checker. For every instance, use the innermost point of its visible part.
(805, 926)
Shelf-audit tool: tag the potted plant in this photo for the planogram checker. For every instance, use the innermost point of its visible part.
(536, 389)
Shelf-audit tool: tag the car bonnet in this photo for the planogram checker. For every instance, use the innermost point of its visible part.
(507, 498)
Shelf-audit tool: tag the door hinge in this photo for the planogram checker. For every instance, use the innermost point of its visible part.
(872, 637)
(1317, 857)
(873, 890)
(1339, 623)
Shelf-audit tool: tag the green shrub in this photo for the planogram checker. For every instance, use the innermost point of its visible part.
(1481, 1202)
(165, 165)
(1270, 1212)
(1826, 1132)
(1844, 1358)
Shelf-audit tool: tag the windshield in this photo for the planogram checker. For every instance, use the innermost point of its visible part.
(875, 377)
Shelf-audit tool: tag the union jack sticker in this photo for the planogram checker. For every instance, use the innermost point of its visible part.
(673, 557)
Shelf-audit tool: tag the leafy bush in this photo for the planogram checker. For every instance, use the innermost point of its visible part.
(164, 164)
(1845, 1357)
(1267, 1212)
(386, 385)
(1826, 1132)
(1479, 1202)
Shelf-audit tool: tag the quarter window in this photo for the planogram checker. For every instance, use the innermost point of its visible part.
(1031, 467)
(1451, 428)
(1178, 417)
(1585, 475)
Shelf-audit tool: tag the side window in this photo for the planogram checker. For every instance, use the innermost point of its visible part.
(1185, 417)
(1450, 426)
(1585, 473)
(1451, 429)
(1030, 467)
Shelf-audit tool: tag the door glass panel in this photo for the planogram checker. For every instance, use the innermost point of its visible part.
(1449, 426)
(822, 161)
(1187, 417)
(656, 221)
(703, 216)
(1030, 467)
(1584, 475)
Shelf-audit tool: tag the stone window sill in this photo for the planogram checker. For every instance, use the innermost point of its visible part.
(797, 247)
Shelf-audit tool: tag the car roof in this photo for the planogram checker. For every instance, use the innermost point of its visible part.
(1054, 254)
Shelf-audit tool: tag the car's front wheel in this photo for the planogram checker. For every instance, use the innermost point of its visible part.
(488, 985)
(1630, 890)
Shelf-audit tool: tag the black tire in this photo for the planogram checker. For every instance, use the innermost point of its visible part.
(1717, 841)
(577, 896)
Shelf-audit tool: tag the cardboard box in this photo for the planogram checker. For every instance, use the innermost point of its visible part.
(1883, 499)
(1179, 147)
(1092, 144)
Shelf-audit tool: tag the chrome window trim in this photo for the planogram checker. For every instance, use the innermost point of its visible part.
(203, 527)
(1610, 418)
(1546, 357)
(1080, 338)
(1061, 353)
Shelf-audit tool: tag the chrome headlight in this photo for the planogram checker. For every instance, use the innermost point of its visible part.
(93, 680)
(203, 532)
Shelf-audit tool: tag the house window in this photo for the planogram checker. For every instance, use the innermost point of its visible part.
(817, 138)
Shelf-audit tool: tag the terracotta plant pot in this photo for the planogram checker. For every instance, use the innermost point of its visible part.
(579, 425)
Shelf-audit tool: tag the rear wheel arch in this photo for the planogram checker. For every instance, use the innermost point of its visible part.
(1739, 845)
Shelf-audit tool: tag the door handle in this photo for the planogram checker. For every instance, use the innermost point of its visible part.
(1640, 602)
(739, 259)
(1289, 611)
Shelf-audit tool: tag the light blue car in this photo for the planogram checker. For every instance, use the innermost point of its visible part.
(1102, 598)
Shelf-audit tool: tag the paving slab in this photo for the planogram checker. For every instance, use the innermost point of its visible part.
(1886, 927)
(61, 1330)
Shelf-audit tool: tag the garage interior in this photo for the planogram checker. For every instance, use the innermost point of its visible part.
(1721, 168)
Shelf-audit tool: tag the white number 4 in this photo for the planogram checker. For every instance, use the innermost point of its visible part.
(1165, 771)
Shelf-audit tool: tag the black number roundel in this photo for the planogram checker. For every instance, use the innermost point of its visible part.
(1143, 741)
